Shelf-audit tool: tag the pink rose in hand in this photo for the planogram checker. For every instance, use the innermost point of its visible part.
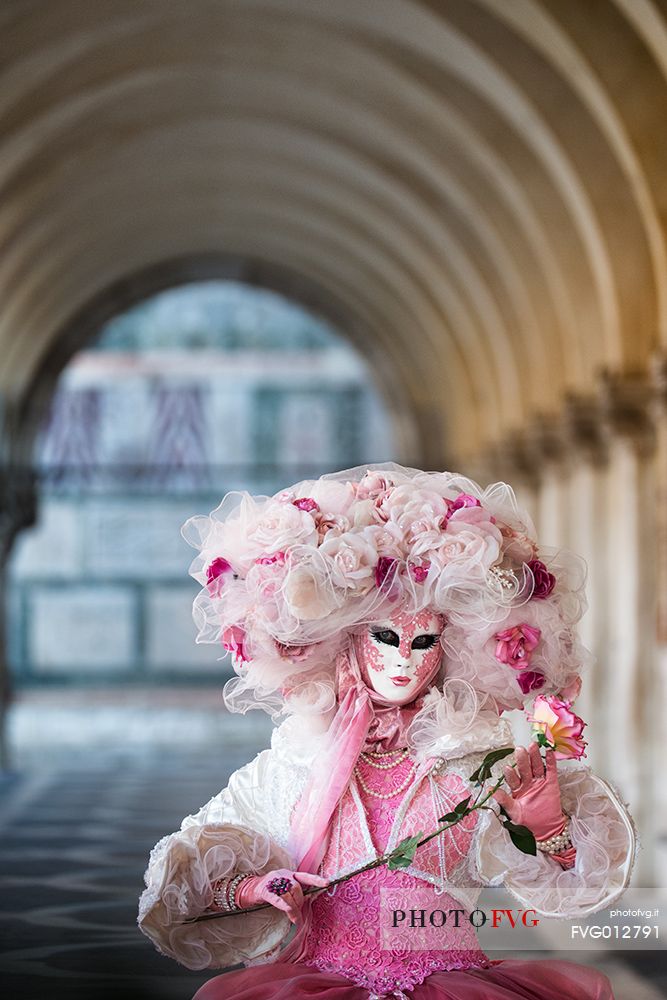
(215, 572)
(515, 645)
(544, 580)
(560, 727)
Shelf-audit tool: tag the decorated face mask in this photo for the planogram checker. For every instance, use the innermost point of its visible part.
(400, 656)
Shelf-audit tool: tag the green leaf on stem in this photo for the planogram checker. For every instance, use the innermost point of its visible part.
(542, 740)
(449, 818)
(404, 853)
(399, 861)
(522, 838)
(460, 810)
(483, 772)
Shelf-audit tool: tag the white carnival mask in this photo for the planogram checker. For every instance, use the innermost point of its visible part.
(400, 655)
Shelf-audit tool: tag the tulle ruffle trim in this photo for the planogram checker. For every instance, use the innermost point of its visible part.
(179, 877)
(603, 834)
(456, 720)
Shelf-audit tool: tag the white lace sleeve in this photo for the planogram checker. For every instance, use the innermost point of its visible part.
(242, 829)
(603, 834)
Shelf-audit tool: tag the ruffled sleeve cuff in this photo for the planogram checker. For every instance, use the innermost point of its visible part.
(179, 879)
(603, 837)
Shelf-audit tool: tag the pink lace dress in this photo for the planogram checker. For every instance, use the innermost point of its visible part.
(346, 955)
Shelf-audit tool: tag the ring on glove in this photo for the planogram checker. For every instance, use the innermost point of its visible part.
(280, 885)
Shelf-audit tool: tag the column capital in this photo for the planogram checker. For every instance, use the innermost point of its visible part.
(627, 402)
(659, 380)
(511, 459)
(584, 427)
(547, 441)
(527, 453)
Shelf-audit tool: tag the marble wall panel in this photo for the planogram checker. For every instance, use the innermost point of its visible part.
(84, 628)
(170, 634)
(136, 539)
(52, 549)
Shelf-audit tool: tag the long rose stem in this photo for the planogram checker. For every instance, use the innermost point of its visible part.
(479, 804)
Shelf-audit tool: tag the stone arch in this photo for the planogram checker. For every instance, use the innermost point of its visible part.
(140, 285)
(486, 264)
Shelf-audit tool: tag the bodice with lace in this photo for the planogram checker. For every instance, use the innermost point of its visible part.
(346, 933)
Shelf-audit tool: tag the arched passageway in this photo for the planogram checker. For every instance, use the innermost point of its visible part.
(472, 190)
(191, 394)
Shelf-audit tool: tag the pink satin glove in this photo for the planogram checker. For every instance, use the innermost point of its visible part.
(257, 889)
(535, 798)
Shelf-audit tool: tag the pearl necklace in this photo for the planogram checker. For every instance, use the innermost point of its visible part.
(385, 795)
(366, 757)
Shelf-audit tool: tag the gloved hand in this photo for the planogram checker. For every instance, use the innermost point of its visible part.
(535, 797)
(261, 889)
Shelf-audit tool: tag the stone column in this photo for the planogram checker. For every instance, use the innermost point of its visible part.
(511, 461)
(569, 455)
(585, 535)
(17, 511)
(549, 456)
(630, 674)
(659, 785)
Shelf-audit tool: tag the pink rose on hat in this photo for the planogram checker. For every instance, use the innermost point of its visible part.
(280, 526)
(215, 574)
(544, 581)
(469, 547)
(233, 639)
(352, 560)
(515, 645)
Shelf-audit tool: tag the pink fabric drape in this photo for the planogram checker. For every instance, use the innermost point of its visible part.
(512, 979)
(364, 718)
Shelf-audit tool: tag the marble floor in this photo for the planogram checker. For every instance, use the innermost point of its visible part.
(77, 822)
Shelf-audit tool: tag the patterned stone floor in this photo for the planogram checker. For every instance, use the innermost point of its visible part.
(73, 846)
(75, 833)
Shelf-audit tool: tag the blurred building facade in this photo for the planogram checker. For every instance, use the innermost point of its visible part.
(202, 390)
(473, 191)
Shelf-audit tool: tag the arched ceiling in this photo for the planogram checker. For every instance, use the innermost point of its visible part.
(476, 188)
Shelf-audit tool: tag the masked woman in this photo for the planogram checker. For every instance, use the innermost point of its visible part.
(391, 617)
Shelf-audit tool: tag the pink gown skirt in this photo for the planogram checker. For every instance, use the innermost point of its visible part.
(512, 979)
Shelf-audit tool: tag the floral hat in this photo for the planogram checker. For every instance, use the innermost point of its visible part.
(286, 579)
